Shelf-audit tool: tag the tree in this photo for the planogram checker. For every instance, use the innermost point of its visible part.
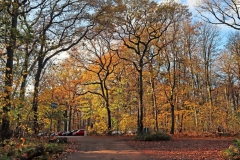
(154, 68)
(124, 96)
(59, 26)
(190, 49)
(13, 9)
(224, 11)
(40, 30)
(100, 61)
(233, 47)
(59, 83)
(208, 46)
(141, 28)
(226, 77)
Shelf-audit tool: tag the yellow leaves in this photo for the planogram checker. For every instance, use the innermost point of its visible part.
(190, 104)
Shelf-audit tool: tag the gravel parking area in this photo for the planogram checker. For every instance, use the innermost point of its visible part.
(124, 148)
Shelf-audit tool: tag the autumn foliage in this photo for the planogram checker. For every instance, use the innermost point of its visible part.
(114, 66)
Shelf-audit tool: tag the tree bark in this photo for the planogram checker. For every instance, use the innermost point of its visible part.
(140, 107)
(9, 74)
(109, 117)
(173, 118)
(35, 95)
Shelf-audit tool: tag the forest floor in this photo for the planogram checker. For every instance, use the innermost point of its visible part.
(122, 147)
(184, 148)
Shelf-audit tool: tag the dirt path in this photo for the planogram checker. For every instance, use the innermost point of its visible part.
(123, 148)
(104, 148)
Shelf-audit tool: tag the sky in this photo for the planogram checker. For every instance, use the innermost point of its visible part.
(225, 30)
(190, 3)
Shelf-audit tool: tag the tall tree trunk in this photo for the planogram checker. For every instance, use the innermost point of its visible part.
(153, 97)
(35, 95)
(9, 75)
(155, 109)
(106, 98)
(173, 118)
(140, 107)
(109, 117)
(172, 98)
(70, 119)
(22, 90)
(24, 74)
(65, 120)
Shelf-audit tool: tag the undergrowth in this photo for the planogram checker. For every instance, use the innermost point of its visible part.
(157, 136)
(233, 151)
(19, 148)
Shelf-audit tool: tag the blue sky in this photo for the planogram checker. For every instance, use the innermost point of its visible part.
(190, 3)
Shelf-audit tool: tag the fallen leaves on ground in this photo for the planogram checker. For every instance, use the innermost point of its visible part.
(70, 148)
(184, 148)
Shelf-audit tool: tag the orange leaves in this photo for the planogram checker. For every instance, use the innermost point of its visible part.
(23, 140)
(183, 148)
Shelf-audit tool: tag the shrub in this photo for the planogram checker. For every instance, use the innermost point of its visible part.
(54, 148)
(232, 152)
(15, 148)
(157, 136)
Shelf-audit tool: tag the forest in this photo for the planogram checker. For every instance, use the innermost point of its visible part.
(109, 65)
